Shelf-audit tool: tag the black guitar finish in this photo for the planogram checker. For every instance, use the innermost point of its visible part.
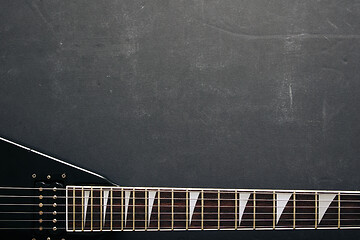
(25, 168)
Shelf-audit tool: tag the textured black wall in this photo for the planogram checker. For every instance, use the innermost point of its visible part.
(235, 94)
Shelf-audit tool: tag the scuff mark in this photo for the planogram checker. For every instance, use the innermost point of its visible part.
(35, 8)
(202, 9)
(348, 24)
(135, 12)
(285, 96)
(291, 96)
(203, 121)
(324, 113)
(8, 72)
(332, 24)
(292, 45)
(328, 114)
(278, 36)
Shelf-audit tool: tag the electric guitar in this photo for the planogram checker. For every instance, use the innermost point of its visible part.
(44, 198)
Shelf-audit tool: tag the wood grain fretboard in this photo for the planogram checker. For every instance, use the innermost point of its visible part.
(166, 209)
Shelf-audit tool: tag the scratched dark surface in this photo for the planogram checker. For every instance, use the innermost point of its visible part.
(234, 94)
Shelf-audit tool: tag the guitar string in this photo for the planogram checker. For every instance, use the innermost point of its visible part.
(167, 205)
(183, 220)
(179, 199)
(167, 190)
(22, 228)
(180, 213)
(32, 188)
(184, 229)
(176, 213)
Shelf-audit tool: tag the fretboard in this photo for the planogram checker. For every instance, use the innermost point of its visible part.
(169, 209)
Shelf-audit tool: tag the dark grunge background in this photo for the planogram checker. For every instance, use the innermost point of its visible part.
(234, 94)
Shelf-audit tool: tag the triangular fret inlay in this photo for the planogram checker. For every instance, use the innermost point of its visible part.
(281, 200)
(193, 199)
(324, 202)
(243, 199)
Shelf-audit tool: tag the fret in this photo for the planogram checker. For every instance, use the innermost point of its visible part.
(74, 197)
(316, 209)
(159, 212)
(274, 208)
(101, 207)
(202, 209)
(122, 209)
(133, 208)
(91, 208)
(339, 210)
(82, 209)
(187, 209)
(294, 211)
(218, 209)
(172, 209)
(254, 206)
(146, 209)
(111, 209)
(236, 209)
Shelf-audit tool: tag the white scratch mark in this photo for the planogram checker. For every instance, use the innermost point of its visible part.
(47, 23)
(332, 24)
(291, 96)
(324, 115)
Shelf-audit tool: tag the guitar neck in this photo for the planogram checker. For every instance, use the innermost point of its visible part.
(165, 209)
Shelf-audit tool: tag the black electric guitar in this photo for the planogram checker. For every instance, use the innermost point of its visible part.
(43, 198)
